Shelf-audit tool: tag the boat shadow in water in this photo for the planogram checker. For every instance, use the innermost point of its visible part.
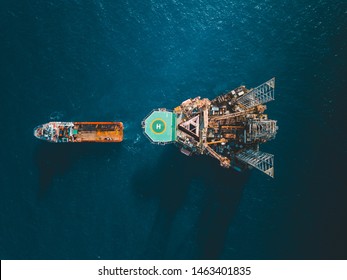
(169, 182)
(54, 160)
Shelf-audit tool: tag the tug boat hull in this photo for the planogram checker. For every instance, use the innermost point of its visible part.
(77, 132)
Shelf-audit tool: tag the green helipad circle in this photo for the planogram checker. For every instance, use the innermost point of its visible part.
(158, 126)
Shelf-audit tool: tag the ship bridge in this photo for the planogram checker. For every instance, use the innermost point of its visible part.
(160, 126)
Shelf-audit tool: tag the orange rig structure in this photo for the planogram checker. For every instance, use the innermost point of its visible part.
(62, 132)
(230, 127)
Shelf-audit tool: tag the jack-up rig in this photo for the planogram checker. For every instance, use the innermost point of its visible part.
(228, 128)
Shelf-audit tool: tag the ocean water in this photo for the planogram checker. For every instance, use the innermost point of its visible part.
(106, 60)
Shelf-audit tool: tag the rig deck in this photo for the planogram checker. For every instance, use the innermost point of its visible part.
(228, 128)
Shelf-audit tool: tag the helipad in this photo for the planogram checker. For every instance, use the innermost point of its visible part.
(160, 126)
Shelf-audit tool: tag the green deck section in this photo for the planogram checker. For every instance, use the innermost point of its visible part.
(160, 126)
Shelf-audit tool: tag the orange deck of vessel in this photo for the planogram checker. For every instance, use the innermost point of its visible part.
(98, 131)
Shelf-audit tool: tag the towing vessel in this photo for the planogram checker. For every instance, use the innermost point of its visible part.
(62, 132)
(229, 128)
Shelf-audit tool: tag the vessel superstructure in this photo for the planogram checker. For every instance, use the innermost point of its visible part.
(229, 128)
(62, 132)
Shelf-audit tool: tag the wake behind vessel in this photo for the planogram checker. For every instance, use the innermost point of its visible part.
(62, 132)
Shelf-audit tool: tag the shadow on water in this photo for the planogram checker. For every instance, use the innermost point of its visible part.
(223, 194)
(169, 182)
(53, 160)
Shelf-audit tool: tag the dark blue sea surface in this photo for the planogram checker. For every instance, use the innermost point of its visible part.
(105, 60)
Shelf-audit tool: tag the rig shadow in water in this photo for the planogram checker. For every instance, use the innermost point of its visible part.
(223, 194)
(169, 183)
(53, 160)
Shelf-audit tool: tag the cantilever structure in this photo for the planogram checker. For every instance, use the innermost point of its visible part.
(260, 95)
(228, 128)
(260, 160)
